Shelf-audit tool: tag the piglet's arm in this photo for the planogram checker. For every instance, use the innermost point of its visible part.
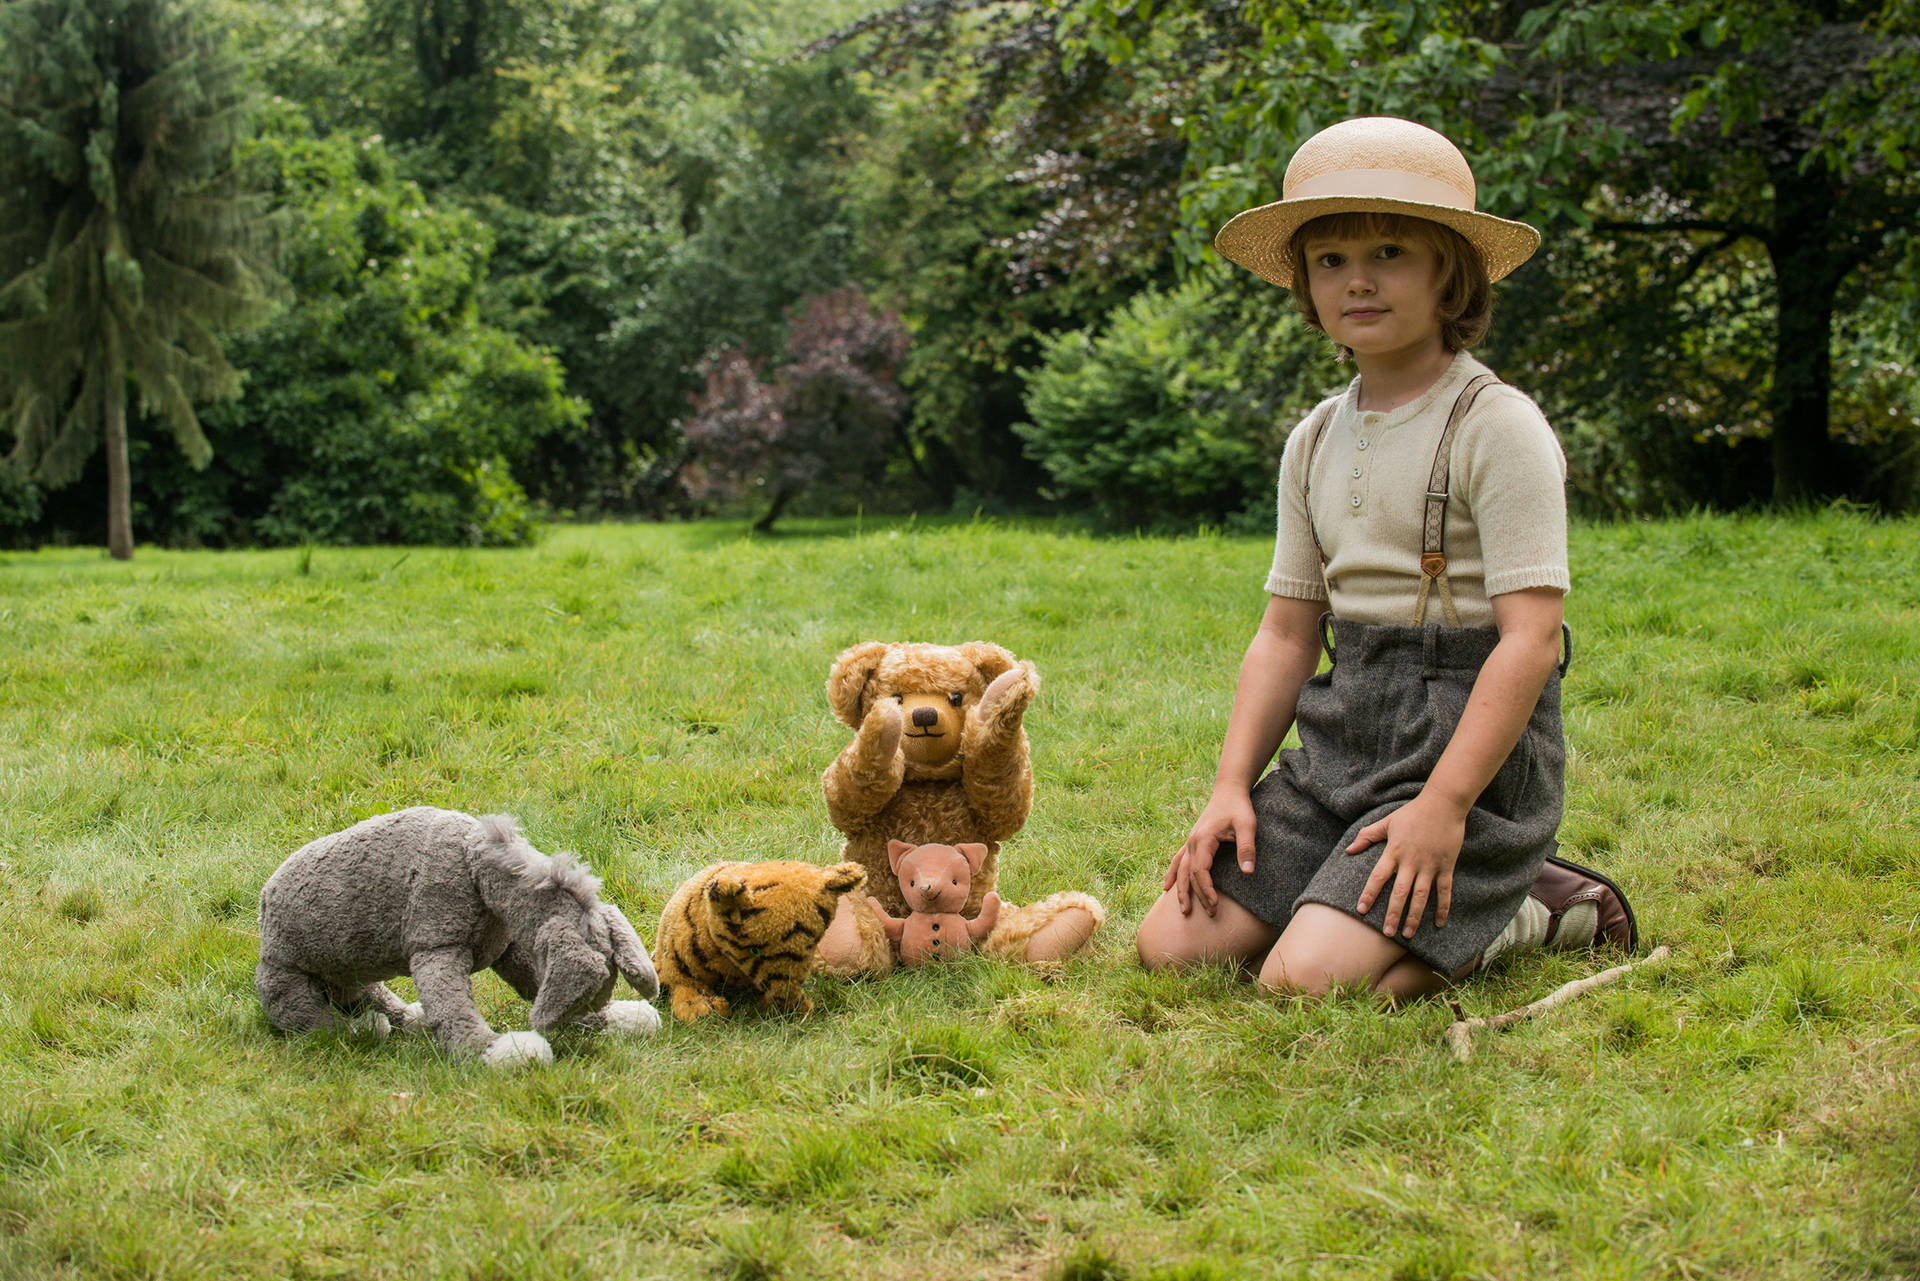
(895, 927)
(446, 996)
(982, 925)
(869, 770)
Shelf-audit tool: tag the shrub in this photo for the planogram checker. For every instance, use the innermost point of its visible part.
(1150, 422)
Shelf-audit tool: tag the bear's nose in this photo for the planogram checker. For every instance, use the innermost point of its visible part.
(925, 716)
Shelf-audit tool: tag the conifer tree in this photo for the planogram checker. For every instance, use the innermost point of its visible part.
(126, 239)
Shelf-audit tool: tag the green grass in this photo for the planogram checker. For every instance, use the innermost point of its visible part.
(1745, 717)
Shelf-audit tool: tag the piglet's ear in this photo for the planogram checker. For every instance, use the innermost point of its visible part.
(844, 878)
(897, 850)
(848, 679)
(976, 855)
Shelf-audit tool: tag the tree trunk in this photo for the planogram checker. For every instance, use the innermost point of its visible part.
(781, 497)
(1808, 463)
(119, 489)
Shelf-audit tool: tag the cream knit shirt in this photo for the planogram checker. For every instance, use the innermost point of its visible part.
(1506, 517)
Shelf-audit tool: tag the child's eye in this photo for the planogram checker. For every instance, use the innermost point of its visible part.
(1390, 251)
(1329, 260)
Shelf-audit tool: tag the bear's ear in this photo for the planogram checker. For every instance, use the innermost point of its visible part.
(897, 850)
(849, 677)
(975, 854)
(843, 878)
(989, 658)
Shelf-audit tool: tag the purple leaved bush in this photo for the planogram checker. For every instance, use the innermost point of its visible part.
(825, 421)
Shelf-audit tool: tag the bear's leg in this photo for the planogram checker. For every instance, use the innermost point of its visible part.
(294, 1001)
(855, 941)
(1048, 931)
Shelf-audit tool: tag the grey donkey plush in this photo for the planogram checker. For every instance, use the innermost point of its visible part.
(441, 895)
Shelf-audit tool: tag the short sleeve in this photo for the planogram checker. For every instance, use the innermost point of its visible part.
(1516, 487)
(1296, 560)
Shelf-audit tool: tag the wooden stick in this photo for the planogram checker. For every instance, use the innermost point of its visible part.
(1459, 1033)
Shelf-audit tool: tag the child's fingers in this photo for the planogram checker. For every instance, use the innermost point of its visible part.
(1442, 898)
(1202, 878)
(1397, 901)
(1382, 873)
(1369, 835)
(1417, 903)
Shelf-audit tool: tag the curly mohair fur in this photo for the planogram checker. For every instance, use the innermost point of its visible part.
(439, 895)
(747, 927)
(939, 756)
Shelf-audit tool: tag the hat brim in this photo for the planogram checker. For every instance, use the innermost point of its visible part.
(1257, 238)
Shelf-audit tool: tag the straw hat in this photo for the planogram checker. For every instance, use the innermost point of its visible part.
(1375, 164)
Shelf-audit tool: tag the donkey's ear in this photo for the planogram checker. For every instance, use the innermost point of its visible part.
(848, 679)
(574, 979)
(629, 953)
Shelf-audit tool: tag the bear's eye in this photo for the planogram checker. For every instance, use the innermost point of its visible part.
(899, 698)
(954, 698)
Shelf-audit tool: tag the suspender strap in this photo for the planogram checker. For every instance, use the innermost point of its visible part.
(1433, 549)
(1316, 427)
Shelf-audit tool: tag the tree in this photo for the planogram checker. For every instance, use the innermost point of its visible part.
(127, 242)
(1694, 130)
(827, 418)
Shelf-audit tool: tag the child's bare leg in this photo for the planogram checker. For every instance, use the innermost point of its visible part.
(1232, 934)
(1322, 947)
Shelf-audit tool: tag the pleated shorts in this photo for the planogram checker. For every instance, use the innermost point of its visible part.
(1372, 728)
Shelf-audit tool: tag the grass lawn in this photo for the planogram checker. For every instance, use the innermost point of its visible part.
(1746, 759)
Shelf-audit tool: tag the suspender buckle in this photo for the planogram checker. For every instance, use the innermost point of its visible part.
(1437, 496)
(1433, 564)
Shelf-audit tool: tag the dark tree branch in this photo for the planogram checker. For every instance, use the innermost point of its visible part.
(1736, 230)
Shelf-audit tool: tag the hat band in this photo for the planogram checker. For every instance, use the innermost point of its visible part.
(1382, 184)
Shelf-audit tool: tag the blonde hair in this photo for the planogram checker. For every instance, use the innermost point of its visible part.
(1465, 294)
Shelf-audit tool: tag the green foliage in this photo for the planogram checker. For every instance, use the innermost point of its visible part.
(1149, 421)
(381, 407)
(126, 240)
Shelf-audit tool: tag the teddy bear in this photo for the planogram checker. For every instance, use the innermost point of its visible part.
(747, 927)
(936, 880)
(940, 756)
(442, 895)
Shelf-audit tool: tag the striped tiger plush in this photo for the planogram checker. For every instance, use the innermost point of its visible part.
(750, 926)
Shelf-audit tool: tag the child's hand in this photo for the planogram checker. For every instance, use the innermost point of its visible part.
(1423, 843)
(1227, 819)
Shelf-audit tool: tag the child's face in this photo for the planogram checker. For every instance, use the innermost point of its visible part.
(1375, 294)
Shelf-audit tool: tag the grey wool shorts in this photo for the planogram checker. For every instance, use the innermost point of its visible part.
(1372, 727)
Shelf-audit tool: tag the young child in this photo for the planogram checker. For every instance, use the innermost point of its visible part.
(1408, 838)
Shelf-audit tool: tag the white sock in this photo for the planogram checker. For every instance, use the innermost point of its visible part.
(1527, 929)
(1577, 927)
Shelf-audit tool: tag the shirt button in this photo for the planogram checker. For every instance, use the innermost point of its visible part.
(1362, 443)
(1356, 473)
(1356, 500)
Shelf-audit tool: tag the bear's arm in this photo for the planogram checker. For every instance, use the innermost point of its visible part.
(868, 772)
(999, 776)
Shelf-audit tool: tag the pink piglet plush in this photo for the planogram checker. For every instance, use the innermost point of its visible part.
(935, 880)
